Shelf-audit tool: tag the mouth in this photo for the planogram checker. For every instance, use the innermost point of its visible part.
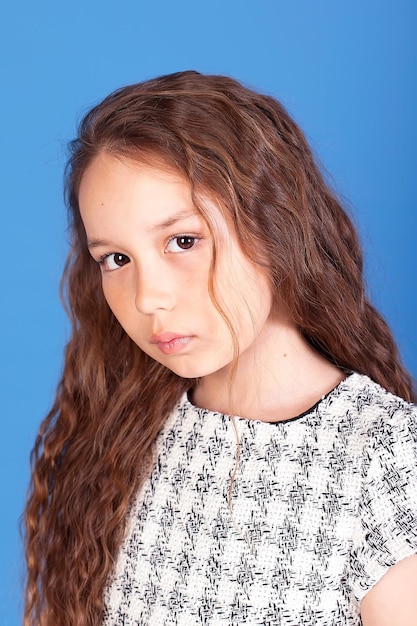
(170, 343)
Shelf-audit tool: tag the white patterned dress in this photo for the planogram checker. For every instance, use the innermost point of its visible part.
(322, 506)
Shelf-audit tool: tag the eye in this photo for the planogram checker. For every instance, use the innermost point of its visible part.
(181, 243)
(114, 261)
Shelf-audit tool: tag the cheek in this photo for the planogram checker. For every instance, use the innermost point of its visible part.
(118, 299)
(246, 297)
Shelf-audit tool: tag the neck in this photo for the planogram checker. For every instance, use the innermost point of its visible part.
(277, 379)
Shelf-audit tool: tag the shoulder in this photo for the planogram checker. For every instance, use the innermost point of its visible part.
(365, 418)
(387, 507)
(372, 407)
(385, 426)
(366, 393)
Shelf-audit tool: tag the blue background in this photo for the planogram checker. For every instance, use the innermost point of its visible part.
(345, 70)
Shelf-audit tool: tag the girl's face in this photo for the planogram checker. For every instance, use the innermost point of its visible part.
(154, 250)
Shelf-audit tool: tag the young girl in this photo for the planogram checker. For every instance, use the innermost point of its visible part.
(232, 439)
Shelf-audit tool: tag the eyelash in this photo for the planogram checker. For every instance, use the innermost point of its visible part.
(183, 236)
(105, 257)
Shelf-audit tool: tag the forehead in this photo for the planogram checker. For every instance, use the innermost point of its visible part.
(114, 189)
(109, 178)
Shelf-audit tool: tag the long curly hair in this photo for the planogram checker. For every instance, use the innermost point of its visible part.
(95, 445)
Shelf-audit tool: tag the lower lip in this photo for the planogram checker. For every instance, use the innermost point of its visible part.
(174, 346)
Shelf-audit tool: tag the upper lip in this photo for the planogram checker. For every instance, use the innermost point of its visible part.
(165, 337)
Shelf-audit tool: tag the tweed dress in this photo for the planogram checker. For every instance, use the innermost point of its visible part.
(321, 506)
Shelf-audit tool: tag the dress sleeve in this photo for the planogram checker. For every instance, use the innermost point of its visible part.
(386, 529)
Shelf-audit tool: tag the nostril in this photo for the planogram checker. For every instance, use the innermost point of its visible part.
(152, 295)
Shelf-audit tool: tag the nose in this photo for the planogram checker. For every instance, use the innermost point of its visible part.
(154, 291)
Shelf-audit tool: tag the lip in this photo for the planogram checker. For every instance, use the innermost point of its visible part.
(170, 343)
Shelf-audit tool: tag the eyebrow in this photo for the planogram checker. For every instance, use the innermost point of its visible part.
(168, 223)
(174, 219)
(97, 243)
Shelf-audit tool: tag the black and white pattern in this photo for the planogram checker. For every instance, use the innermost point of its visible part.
(322, 506)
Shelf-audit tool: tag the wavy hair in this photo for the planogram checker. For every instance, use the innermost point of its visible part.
(95, 445)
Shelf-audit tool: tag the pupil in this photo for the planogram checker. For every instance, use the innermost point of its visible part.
(185, 242)
(120, 259)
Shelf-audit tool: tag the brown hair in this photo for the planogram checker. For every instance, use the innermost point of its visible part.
(243, 149)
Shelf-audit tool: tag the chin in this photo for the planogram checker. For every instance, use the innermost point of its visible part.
(185, 372)
(189, 371)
